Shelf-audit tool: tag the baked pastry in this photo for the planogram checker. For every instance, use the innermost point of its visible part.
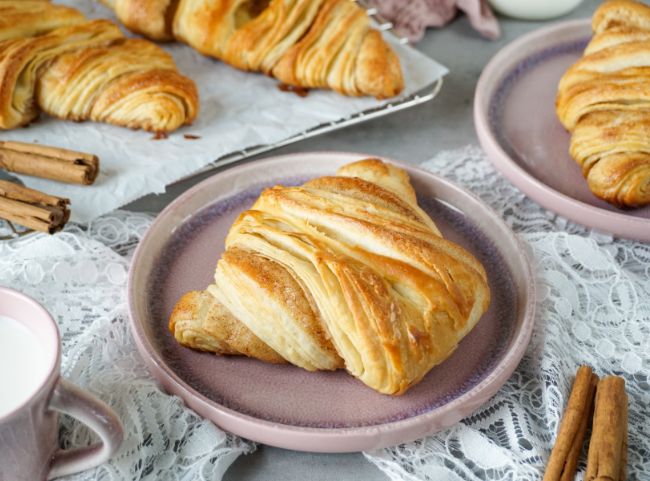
(304, 43)
(201, 322)
(341, 272)
(22, 59)
(129, 82)
(87, 70)
(604, 100)
(151, 18)
(27, 18)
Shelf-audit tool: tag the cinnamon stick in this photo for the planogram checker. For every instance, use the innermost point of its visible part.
(49, 162)
(564, 457)
(32, 208)
(607, 457)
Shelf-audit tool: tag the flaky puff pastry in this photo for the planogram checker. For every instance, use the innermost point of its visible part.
(342, 52)
(604, 100)
(22, 60)
(55, 60)
(620, 13)
(613, 149)
(151, 18)
(343, 271)
(27, 18)
(305, 43)
(129, 82)
(203, 323)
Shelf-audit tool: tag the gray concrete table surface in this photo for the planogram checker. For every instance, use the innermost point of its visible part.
(413, 135)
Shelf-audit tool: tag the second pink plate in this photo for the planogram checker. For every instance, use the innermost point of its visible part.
(326, 411)
(514, 113)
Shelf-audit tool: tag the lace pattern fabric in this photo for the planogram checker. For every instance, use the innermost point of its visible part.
(593, 307)
(80, 275)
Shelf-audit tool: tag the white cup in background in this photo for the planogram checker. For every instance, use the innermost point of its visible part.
(534, 9)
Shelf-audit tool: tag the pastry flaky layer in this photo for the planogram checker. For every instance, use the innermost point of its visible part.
(27, 18)
(604, 100)
(305, 43)
(342, 272)
(53, 59)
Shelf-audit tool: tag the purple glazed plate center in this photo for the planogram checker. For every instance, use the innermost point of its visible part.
(290, 395)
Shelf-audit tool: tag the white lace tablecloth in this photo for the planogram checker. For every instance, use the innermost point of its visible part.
(593, 307)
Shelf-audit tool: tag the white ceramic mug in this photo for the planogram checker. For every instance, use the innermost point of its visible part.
(29, 407)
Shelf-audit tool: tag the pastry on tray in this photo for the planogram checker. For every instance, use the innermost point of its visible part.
(26, 18)
(303, 43)
(342, 272)
(78, 69)
(604, 100)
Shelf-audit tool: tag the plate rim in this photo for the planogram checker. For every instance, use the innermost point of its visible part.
(315, 439)
(492, 76)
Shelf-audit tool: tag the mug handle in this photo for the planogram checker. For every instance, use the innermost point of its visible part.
(69, 399)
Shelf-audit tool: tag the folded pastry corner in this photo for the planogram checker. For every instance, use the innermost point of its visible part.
(201, 322)
(343, 52)
(130, 82)
(616, 13)
(343, 271)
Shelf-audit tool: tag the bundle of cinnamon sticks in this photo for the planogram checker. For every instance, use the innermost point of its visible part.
(31, 208)
(604, 401)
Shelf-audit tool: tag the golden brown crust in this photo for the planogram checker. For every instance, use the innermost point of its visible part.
(274, 288)
(342, 52)
(206, 25)
(155, 100)
(623, 180)
(612, 92)
(626, 59)
(132, 83)
(607, 132)
(151, 18)
(27, 18)
(378, 70)
(86, 70)
(21, 60)
(616, 36)
(621, 13)
(259, 43)
(344, 266)
(604, 100)
(305, 43)
(199, 321)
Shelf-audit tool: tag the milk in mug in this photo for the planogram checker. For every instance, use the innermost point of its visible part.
(23, 366)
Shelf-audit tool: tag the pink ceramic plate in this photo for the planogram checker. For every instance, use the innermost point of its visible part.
(329, 412)
(514, 113)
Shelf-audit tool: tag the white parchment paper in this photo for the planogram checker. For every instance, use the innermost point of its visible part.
(238, 110)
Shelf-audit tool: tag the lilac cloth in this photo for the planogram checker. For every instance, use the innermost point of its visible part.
(412, 17)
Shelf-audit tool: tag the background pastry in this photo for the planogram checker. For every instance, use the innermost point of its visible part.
(27, 18)
(604, 100)
(54, 59)
(130, 82)
(22, 59)
(151, 18)
(305, 43)
(343, 271)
